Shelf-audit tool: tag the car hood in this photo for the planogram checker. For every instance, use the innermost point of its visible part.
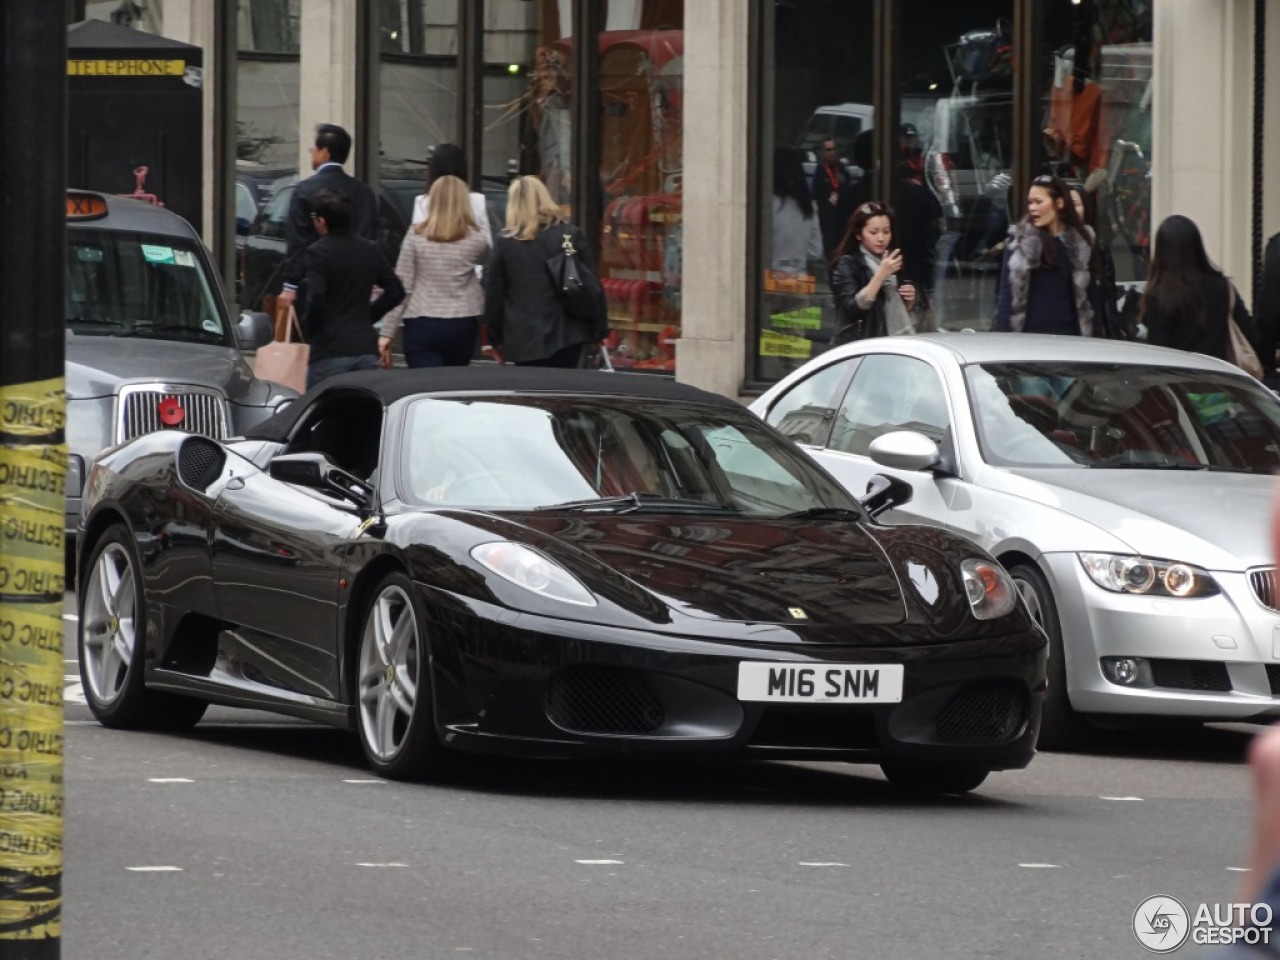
(98, 366)
(1214, 520)
(729, 568)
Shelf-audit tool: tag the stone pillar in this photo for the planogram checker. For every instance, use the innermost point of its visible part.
(710, 352)
(194, 22)
(1271, 126)
(328, 72)
(1202, 126)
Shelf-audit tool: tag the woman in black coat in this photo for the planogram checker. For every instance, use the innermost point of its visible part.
(1187, 298)
(870, 302)
(526, 321)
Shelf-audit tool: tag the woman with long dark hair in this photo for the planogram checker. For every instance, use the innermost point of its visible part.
(1045, 276)
(864, 278)
(1102, 268)
(797, 234)
(448, 160)
(1187, 298)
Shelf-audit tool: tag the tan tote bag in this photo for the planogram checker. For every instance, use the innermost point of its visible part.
(285, 361)
(1239, 350)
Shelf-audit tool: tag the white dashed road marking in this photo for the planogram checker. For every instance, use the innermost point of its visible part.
(155, 869)
(821, 863)
(597, 863)
(169, 780)
(1041, 866)
(382, 865)
(1134, 799)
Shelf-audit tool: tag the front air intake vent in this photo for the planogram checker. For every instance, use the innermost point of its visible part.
(988, 712)
(199, 462)
(603, 700)
(1201, 676)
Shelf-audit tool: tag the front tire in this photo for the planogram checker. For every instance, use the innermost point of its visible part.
(112, 643)
(394, 714)
(925, 779)
(1061, 728)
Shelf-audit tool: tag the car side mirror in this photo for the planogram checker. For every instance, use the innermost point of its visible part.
(254, 329)
(242, 226)
(316, 472)
(905, 450)
(884, 493)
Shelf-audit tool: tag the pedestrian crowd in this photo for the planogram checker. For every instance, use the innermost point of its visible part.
(452, 274)
(1056, 273)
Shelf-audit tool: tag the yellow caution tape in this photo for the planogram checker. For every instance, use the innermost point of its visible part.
(32, 487)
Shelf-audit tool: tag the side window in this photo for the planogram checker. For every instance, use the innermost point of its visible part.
(804, 412)
(271, 223)
(890, 393)
(346, 428)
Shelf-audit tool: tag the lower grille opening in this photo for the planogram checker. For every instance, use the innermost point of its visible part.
(1273, 678)
(988, 712)
(603, 700)
(816, 725)
(1206, 676)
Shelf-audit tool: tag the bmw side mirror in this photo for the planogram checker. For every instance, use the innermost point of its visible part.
(316, 472)
(905, 450)
(883, 493)
(254, 329)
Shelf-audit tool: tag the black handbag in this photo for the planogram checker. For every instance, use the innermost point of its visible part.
(577, 287)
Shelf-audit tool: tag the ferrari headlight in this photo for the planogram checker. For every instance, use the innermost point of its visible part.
(526, 567)
(990, 591)
(1155, 578)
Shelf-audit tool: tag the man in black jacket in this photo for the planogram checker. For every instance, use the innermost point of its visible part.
(1269, 311)
(340, 272)
(330, 151)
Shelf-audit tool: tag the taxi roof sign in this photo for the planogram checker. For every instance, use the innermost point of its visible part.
(85, 206)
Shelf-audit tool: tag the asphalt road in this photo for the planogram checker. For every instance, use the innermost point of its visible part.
(253, 837)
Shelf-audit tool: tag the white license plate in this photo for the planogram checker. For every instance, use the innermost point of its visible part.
(820, 683)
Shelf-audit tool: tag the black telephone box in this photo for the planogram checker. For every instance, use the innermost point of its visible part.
(135, 116)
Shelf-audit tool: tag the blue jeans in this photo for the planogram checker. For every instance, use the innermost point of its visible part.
(328, 367)
(440, 341)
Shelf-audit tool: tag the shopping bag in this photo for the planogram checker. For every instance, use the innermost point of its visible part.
(285, 361)
(1239, 350)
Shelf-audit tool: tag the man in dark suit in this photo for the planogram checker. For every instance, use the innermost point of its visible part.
(330, 151)
(340, 273)
(832, 191)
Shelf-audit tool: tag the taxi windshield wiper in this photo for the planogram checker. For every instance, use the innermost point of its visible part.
(630, 502)
(824, 513)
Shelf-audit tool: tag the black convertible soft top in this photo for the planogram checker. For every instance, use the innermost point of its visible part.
(392, 385)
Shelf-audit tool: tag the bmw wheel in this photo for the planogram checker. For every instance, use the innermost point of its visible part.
(393, 684)
(112, 643)
(1060, 726)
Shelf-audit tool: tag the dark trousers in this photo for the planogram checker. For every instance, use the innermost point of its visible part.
(440, 341)
(570, 356)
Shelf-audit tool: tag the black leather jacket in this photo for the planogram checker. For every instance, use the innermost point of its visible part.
(851, 274)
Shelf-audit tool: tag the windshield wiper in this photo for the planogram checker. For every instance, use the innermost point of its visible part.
(824, 513)
(635, 500)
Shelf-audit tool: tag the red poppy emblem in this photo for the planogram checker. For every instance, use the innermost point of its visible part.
(171, 412)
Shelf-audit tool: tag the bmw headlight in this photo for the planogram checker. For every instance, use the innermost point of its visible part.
(1156, 578)
(990, 591)
(526, 567)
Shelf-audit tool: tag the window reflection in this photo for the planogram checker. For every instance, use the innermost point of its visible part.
(267, 93)
(418, 95)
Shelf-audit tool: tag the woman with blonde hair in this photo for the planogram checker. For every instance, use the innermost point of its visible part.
(444, 299)
(526, 320)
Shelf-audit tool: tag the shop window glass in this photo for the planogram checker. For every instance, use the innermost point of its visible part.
(268, 93)
(1096, 127)
(951, 193)
(418, 84)
(641, 52)
(817, 96)
(528, 89)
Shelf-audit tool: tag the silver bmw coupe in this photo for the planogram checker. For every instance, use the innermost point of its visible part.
(1126, 488)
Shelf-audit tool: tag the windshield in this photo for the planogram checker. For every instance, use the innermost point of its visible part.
(521, 453)
(136, 285)
(1117, 416)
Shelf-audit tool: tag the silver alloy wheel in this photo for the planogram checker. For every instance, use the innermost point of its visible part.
(390, 649)
(108, 625)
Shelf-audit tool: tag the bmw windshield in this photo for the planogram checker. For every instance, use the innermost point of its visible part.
(605, 454)
(136, 285)
(1109, 416)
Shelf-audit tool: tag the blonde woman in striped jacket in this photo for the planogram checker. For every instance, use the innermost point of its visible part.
(444, 300)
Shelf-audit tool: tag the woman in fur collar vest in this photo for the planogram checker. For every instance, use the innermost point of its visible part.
(1044, 277)
(870, 299)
